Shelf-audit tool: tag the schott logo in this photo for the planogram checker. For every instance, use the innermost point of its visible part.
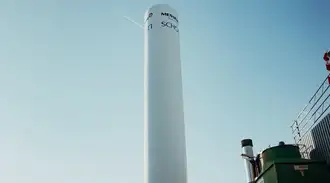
(169, 25)
(170, 16)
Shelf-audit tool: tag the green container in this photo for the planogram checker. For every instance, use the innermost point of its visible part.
(281, 152)
(301, 171)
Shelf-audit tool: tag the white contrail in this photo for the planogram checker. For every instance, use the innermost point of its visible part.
(134, 22)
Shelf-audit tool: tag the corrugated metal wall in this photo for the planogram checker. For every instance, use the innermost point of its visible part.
(316, 143)
(321, 137)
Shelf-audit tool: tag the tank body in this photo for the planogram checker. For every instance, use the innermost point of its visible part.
(280, 152)
(165, 145)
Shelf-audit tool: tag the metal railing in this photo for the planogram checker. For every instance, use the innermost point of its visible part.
(312, 113)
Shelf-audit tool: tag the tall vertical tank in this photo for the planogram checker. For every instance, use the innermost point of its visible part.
(165, 146)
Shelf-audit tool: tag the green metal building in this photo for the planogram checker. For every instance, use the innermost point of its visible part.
(284, 164)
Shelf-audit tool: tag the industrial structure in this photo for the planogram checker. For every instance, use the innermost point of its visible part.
(308, 160)
(311, 128)
(284, 164)
(164, 129)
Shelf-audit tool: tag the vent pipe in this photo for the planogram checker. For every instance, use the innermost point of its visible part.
(247, 148)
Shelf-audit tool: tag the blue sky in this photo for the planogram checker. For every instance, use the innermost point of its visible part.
(71, 77)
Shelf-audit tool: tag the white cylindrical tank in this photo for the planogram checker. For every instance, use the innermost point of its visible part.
(165, 146)
(247, 148)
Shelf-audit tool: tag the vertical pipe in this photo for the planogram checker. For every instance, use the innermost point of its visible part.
(165, 148)
(247, 148)
(258, 164)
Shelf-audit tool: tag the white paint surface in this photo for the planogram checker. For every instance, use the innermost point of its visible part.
(165, 149)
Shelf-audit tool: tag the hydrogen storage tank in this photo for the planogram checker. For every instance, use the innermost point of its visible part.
(165, 148)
